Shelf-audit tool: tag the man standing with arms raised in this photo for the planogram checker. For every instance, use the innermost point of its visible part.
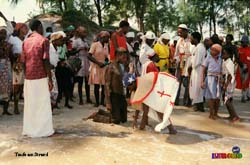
(37, 121)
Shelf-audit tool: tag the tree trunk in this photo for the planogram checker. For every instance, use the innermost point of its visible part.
(210, 26)
(200, 28)
(99, 12)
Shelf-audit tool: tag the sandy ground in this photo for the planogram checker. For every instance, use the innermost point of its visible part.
(86, 142)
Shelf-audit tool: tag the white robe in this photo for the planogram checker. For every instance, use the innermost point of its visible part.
(37, 118)
(197, 58)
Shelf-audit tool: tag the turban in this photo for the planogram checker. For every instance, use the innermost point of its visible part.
(130, 35)
(55, 36)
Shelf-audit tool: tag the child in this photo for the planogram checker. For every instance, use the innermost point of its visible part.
(229, 82)
(115, 98)
(213, 64)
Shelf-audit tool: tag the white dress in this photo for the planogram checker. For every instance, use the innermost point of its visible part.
(197, 58)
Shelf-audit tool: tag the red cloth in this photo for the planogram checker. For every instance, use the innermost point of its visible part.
(152, 67)
(35, 50)
(121, 42)
(244, 54)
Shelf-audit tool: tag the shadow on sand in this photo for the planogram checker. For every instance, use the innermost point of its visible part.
(186, 136)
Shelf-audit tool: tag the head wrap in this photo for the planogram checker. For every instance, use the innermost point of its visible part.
(130, 35)
(104, 34)
(56, 35)
(70, 28)
(150, 35)
(164, 36)
(183, 26)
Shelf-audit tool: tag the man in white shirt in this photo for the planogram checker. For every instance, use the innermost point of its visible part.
(182, 58)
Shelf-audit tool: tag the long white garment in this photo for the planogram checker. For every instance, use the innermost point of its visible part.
(37, 119)
(162, 99)
(197, 58)
(53, 55)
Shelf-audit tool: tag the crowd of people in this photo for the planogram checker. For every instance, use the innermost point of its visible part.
(44, 68)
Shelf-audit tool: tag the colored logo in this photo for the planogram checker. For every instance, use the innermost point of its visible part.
(234, 155)
(236, 149)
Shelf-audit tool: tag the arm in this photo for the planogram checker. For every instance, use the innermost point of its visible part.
(108, 78)
(92, 59)
(113, 39)
(200, 56)
(46, 62)
(203, 85)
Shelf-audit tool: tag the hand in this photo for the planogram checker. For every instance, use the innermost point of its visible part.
(50, 85)
(101, 65)
(108, 106)
(203, 85)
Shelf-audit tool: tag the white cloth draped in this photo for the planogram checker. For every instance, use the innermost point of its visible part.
(197, 58)
(37, 120)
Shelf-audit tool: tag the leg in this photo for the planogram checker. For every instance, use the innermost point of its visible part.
(144, 119)
(5, 107)
(96, 92)
(16, 91)
(80, 83)
(216, 107)
(102, 95)
(177, 100)
(67, 96)
(115, 111)
(201, 107)
(233, 115)
(211, 104)
(137, 112)
(123, 108)
(87, 90)
(243, 97)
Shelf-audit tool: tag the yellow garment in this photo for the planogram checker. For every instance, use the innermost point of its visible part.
(163, 52)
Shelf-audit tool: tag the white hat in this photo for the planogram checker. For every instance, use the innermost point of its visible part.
(150, 35)
(183, 26)
(139, 34)
(130, 35)
(165, 36)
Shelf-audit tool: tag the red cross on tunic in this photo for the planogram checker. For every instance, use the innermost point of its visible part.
(171, 103)
(163, 94)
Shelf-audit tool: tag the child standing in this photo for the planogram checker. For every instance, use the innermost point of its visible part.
(229, 82)
(115, 98)
(211, 84)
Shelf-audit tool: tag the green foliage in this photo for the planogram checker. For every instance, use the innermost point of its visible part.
(155, 15)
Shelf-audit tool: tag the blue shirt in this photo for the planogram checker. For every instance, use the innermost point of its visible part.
(213, 65)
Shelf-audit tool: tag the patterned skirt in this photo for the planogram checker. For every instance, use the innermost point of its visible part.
(5, 80)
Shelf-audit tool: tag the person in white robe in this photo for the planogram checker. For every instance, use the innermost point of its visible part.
(197, 57)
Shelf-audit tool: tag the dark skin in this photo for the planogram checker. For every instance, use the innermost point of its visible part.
(120, 31)
(46, 62)
(121, 58)
(103, 40)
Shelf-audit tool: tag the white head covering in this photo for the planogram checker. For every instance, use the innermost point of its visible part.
(56, 35)
(183, 26)
(7, 26)
(163, 36)
(130, 35)
(150, 35)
